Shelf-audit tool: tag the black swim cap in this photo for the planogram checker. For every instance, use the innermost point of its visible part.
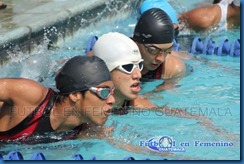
(154, 27)
(80, 73)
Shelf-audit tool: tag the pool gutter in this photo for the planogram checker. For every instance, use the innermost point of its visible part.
(66, 18)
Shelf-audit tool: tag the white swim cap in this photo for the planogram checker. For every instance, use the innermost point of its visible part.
(236, 2)
(116, 49)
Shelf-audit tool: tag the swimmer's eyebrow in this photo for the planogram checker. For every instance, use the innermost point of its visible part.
(152, 46)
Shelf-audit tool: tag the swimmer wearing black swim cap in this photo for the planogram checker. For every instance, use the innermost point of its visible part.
(154, 26)
(89, 71)
(85, 97)
(154, 34)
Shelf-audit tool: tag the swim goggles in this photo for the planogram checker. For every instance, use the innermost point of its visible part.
(102, 93)
(156, 51)
(128, 68)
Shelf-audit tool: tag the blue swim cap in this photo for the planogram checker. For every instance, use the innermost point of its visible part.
(163, 5)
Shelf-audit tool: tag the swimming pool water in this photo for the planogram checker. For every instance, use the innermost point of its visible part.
(211, 91)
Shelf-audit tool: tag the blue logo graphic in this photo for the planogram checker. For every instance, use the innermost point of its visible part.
(165, 142)
(162, 144)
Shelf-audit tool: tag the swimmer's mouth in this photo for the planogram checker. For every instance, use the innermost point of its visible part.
(108, 112)
(136, 85)
(155, 65)
(136, 88)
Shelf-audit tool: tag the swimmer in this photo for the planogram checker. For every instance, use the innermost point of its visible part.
(122, 56)
(124, 61)
(154, 34)
(165, 6)
(85, 87)
(221, 16)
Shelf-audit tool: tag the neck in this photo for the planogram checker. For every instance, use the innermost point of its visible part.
(65, 117)
(144, 71)
(119, 99)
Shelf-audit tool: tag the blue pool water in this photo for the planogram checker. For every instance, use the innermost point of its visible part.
(211, 91)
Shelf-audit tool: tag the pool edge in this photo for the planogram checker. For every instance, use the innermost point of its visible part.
(67, 22)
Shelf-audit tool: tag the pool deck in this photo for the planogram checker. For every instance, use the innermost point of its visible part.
(22, 14)
(24, 22)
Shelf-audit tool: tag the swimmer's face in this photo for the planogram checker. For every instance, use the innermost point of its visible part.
(154, 54)
(127, 84)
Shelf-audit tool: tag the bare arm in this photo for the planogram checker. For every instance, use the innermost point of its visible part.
(182, 55)
(201, 18)
(202, 120)
(107, 133)
(146, 151)
(183, 113)
(21, 91)
(142, 102)
(19, 97)
(173, 67)
(173, 70)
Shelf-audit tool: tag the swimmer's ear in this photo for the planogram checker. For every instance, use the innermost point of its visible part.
(75, 96)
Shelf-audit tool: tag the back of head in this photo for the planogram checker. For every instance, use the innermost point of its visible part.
(116, 49)
(161, 4)
(154, 27)
(80, 73)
